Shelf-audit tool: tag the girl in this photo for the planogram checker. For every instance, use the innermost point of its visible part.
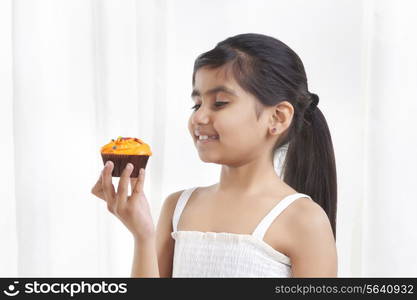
(251, 101)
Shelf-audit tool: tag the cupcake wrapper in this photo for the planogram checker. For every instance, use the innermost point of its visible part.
(120, 162)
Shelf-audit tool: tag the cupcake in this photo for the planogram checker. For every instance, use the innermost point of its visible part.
(126, 150)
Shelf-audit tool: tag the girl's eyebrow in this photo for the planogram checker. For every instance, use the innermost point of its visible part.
(217, 89)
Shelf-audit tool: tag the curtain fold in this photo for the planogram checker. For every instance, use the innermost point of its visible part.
(389, 235)
(8, 230)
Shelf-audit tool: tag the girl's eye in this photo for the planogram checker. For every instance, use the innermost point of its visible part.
(195, 107)
(217, 104)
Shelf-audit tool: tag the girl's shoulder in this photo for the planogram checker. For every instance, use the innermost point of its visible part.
(310, 240)
(172, 199)
(305, 219)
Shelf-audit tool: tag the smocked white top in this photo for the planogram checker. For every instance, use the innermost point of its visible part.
(223, 254)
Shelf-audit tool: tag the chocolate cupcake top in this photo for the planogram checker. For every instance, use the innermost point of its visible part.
(126, 146)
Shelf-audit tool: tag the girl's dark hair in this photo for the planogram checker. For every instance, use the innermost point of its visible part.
(272, 72)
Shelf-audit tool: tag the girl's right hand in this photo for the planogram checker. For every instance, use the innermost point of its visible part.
(133, 210)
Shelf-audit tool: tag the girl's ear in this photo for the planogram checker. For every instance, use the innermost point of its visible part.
(281, 117)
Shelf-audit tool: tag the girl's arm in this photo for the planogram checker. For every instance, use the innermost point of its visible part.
(153, 257)
(134, 212)
(164, 241)
(145, 262)
(313, 248)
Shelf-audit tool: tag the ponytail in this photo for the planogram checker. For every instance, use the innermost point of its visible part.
(309, 166)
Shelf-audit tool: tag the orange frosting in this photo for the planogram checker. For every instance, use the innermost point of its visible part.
(127, 146)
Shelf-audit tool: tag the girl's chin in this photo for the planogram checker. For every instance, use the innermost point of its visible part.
(207, 158)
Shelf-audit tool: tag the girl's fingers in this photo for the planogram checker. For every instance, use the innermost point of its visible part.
(139, 183)
(107, 184)
(133, 182)
(122, 189)
(97, 189)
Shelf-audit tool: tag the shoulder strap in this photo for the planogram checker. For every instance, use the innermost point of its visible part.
(263, 226)
(182, 200)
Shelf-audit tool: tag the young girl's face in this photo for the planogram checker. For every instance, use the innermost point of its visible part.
(226, 113)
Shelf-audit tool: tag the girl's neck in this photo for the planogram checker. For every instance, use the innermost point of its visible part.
(250, 179)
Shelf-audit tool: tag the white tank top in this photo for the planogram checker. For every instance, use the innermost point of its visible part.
(223, 254)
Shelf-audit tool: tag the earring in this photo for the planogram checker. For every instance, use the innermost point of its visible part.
(273, 130)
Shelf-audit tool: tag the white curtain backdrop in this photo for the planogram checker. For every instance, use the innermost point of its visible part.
(76, 73)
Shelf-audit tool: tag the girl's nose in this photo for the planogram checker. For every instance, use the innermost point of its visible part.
(201, 115)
